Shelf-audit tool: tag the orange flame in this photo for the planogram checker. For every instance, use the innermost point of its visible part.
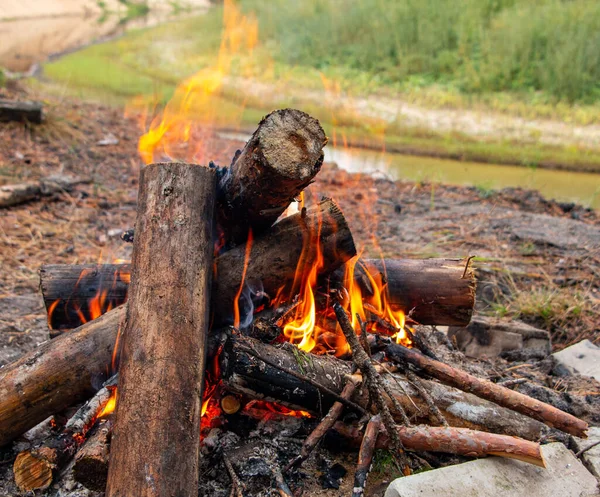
(236, 302)
(275, 408)
(194, 108)
(110, 406)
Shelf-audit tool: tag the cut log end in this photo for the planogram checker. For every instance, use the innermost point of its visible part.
(33, 469)
(292, 143)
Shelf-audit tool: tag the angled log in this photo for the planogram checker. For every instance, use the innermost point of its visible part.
(493, 392)
(90, 466)
(281, 159)
(74, 365)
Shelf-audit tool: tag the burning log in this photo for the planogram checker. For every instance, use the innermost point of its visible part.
(164, 341)
(429, 291)
(432, 291)
(281, 159)
(90, 467)
(74, 291)
(246, 374)
(24, 192)
(490, 391)
(71, 367)
(459, 441)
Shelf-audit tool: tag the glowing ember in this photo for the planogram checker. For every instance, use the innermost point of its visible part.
(272, 407)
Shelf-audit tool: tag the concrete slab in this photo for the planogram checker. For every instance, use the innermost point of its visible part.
(591, 458)
(564, 476)
(581, 358)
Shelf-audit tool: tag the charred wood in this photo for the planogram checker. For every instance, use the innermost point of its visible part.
(90, 467)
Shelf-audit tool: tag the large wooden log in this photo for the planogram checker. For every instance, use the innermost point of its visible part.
(245, 374)
(65, 370)
(485, 389)
(432, 291)
(281, 159)
(164, 341)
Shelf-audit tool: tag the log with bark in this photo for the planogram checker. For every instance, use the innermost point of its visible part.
(163, 356)
(90, 466)
(12, 110)
(485, 389)
(73, 366)
(431, 291)
(281, 159)
(459, 441)
(246, 374)
(24, 192)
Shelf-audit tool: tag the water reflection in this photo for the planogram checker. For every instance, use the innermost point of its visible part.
(567, 186)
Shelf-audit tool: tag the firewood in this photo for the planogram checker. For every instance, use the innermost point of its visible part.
(365, 455)
(490, 391)
(33, 469)
(326, 423)
(71, 367)
(24, 192)
(246, 374)
(69, 291)
(90, 466)
(459, 441)
(432, 291)
(11, 110)
(163, 354)
(281, 159)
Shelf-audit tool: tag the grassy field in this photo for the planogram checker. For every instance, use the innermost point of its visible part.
(534, 60)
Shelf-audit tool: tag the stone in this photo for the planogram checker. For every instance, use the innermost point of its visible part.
(488, 337)
(563, 476)
(581, 358)
(590, 458)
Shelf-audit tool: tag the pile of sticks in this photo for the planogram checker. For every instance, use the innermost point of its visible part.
(178, 287)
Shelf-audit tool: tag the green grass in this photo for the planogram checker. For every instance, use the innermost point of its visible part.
(474, 46)
(369, 47)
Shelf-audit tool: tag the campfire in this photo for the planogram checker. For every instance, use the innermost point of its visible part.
(246, 300)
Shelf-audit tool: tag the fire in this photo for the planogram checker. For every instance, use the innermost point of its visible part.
(272, 407)
(236, 302)
(110, 406)
(185, 128)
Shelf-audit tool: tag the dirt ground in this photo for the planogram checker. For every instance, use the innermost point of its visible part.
(536, 259)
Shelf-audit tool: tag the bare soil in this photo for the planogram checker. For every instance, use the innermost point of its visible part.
(525, 243)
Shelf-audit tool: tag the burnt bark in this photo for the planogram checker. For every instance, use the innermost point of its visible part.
(244, 373)
(281, 159)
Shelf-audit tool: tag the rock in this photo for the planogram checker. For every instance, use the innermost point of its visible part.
(564, 476)
(581, 358)
(591, 458)
(490, 337)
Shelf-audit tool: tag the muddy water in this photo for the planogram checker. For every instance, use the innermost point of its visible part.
(566, 186)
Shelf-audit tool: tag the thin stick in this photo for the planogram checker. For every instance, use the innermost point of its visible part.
(365, 456)
(236, 484)
(416, 381)
(490, 391)
(282, 486)
(348, 403)
(362, 361)
(583, 451)
(326, 423)
(512, 383)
